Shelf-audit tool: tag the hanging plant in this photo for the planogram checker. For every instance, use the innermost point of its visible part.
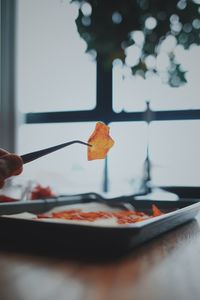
(135, 31)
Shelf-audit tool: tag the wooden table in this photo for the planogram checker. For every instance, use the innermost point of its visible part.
(166, 268)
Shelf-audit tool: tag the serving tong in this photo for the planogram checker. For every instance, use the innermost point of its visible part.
(121, 202)
(37, 154)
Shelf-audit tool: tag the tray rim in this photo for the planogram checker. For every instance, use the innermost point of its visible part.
(194, 207)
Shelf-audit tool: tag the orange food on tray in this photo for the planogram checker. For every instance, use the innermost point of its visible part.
(122, 217)
(156, 211)
(101, 142)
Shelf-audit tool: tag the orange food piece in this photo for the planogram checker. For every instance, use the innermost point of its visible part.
(40, 192)
(101, 142)
(122, 217)
(156, 211)
(130, 216)
(84, 216)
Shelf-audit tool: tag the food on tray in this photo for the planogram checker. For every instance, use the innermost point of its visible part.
(119, 216)
(122, 217)
(92, 213)
(101, 142)
(156, 211)
(41, 192)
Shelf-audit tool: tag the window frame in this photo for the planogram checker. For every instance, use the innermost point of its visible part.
(105, 113)
(8, 116)
(104, 95)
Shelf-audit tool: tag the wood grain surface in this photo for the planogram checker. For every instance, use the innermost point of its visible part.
(166, 268)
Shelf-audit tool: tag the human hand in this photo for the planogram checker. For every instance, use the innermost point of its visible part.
(10, 165)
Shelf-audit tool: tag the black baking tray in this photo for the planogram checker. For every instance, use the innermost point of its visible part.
(84, 239)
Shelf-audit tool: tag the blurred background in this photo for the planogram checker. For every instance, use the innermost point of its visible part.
(62, 71)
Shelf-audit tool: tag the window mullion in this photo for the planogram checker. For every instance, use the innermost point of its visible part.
(104, 90)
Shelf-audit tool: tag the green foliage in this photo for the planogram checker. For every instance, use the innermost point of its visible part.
(111, 27)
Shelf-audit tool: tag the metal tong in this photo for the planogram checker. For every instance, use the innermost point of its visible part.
(37, 154)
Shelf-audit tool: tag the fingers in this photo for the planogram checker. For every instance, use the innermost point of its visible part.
(17, 172)
(14, 164)
(1, 184)
(10, 164)
(3, 152)
(4, 169)
(17, 164)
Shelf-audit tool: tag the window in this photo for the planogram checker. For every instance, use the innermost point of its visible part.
(126, 163)
(62, 92)
(53, 71)
(174, 152)
(131, 93)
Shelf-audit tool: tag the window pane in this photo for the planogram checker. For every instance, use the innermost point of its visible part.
(126, 158)
(174, 153)
(131, 93)
(68, 169)
(53, 70)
